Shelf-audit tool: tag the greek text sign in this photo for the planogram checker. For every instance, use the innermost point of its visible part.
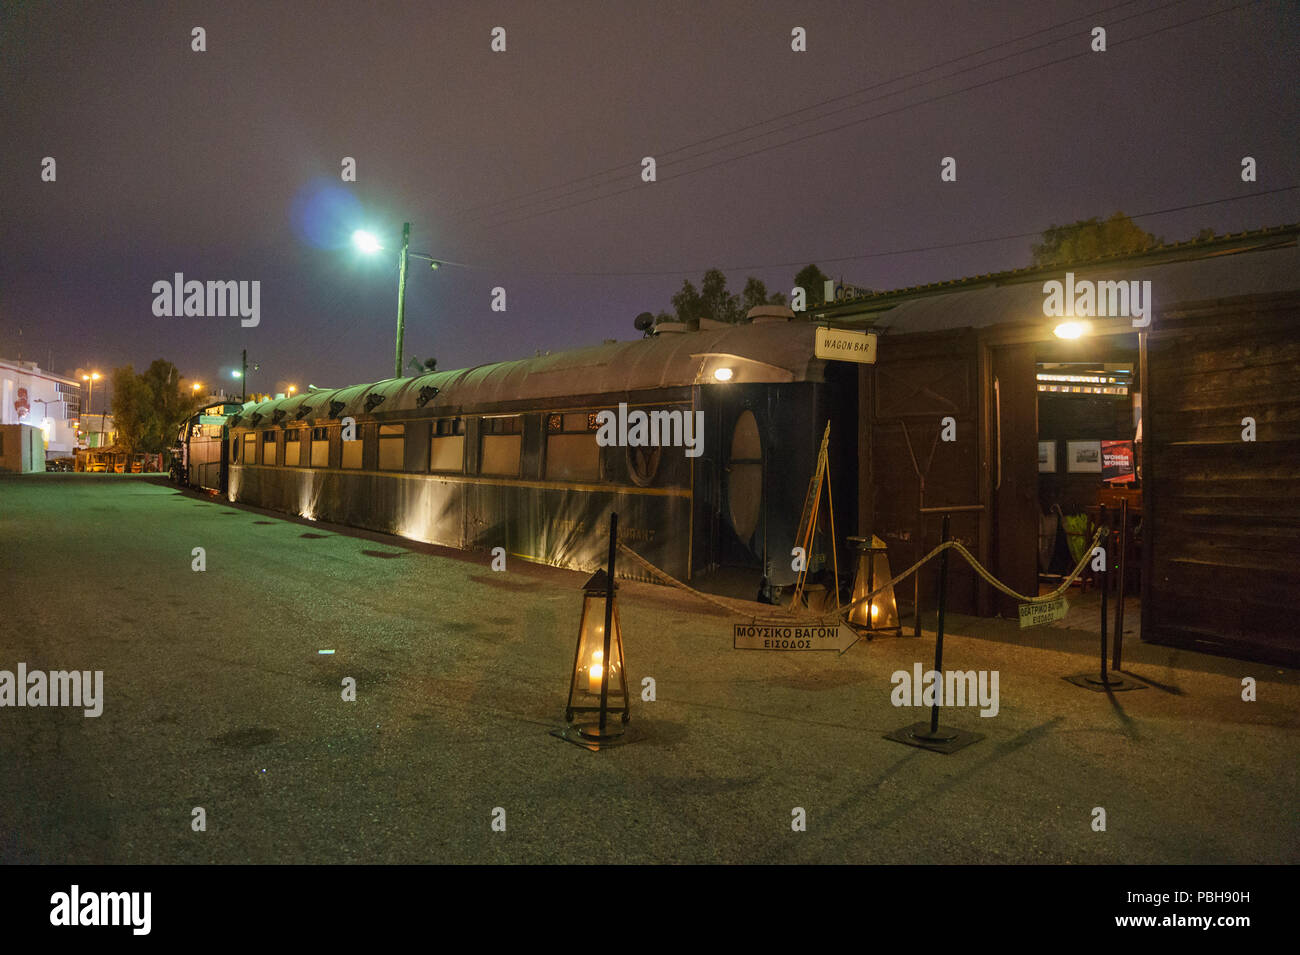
(840, 344)
(1033, 615)
(785, 636)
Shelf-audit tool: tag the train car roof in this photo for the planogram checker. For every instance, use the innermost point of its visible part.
(760, 352)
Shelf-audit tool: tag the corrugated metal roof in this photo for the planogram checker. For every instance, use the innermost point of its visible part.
(776, 352)
(1172, 283)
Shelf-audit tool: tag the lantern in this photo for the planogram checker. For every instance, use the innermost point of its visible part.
(598, 683)
(881, 611)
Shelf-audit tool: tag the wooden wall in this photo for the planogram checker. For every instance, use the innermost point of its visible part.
(1222, 566)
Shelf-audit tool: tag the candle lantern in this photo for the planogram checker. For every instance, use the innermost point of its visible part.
(880, 613)
(598, 683)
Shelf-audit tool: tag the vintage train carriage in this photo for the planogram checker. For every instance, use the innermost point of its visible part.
(506, 454)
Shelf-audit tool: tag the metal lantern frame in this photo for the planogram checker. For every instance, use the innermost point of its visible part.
(868, 549)
(595, 592)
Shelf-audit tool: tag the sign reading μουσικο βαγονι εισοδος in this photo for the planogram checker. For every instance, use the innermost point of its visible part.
(779, 635)
(1033, 615)
(842, 344)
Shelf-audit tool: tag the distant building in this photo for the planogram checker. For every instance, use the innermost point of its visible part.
(37, 398)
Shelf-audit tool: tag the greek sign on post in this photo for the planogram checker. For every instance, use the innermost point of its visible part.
(769, 635)
(1033, 615)
(841, 344)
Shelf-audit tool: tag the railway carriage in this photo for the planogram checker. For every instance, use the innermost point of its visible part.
(507, 454)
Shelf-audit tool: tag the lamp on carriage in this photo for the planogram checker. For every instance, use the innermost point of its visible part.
(881, 611)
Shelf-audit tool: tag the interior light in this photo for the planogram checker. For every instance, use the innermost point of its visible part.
(722, 374)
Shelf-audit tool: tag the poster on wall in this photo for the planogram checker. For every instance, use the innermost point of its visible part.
(1046, 457)
(1117, 462)
(1083, 457)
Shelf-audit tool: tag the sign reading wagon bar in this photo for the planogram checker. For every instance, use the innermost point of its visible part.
(839, 344)
(778, 635)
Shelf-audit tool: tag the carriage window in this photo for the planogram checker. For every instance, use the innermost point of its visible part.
(500, 445)
(352, 453)
(571, 450)
(447, 446)
(320, 447)
(392, 447)
(250, 448)
(293, 447)
(268, 447)
(235, 445)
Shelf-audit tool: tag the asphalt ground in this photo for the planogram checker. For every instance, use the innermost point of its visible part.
(216, 697)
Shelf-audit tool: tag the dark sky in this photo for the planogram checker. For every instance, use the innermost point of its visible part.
(170, 160)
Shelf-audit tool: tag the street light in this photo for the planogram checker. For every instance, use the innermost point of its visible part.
(368, 243)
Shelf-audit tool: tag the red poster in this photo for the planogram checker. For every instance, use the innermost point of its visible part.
(1117, 462)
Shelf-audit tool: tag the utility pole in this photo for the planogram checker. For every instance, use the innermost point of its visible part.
(243, 376)
(401, 299)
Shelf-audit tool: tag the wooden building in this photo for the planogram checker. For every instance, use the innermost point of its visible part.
(1209, 390)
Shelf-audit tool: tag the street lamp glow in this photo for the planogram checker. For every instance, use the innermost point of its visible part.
(366, 242)
(292, 389)
(236, 374)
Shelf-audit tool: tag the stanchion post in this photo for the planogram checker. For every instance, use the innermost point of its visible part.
(1105, 585)
(1121, 567)
(609, 621)
(938, 638)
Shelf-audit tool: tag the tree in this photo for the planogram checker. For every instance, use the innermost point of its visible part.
(1090, 239)
(813, 282)
(712, 300)
(149, 407)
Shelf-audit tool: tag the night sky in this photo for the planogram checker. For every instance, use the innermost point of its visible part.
(225, 164)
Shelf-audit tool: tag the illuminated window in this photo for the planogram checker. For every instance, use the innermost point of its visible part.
(320, 447)
(352, 453)
(572, 453)
(447, 447)
(268, 447)
(250, 448)
(500, 444)
(293, 447)
(392, 447)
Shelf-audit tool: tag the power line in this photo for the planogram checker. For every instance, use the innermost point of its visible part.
(859, 121)
(622, 168)
(879, 254)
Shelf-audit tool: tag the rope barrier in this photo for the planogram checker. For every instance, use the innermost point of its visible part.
(845, 610)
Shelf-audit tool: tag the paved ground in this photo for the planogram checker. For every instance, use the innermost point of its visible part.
(216, 697)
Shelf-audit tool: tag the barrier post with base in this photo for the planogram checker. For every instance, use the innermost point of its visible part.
(1107, 682)
(932, 736)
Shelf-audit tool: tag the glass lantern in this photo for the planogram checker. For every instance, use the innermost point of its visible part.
(598, 661)
(881, 612)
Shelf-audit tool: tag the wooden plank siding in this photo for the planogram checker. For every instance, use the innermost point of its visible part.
(1222, 539)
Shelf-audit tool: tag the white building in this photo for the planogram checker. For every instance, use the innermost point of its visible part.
(38, 398)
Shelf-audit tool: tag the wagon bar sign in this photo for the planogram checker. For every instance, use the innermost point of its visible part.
(760, 635)
(839, 344)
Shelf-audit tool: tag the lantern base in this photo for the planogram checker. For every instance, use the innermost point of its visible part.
(1113, 684)
(589, 735)
(946, 740)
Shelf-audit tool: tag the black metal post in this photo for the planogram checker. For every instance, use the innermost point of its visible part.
(938, 639)
(1121, 550)
(609, 620)
(1105, 583)
(243, 376)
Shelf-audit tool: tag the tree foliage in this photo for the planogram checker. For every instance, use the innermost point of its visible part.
(149, 407)
(813, 282)
(713, 300)
(1090, 239)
